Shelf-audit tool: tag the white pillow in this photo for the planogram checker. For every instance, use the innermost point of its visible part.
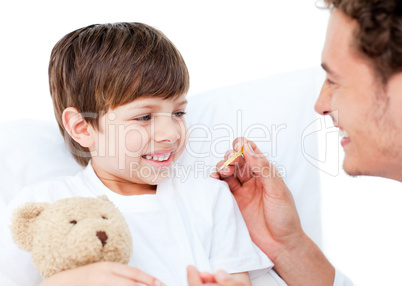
(31, 151)
(34, 151)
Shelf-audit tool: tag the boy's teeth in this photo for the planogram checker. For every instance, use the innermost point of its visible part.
(156, 158)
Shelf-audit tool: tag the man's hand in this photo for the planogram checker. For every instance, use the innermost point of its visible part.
(263, 198)
(270, 213)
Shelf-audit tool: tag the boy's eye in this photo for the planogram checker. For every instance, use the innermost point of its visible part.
(179, 114)
(73, 222)
(143, 118)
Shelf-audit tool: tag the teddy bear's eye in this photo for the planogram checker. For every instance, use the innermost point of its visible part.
(104, 217)
(73, 222)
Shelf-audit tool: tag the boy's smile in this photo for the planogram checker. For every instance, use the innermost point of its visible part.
(137, 142)
(161, 159)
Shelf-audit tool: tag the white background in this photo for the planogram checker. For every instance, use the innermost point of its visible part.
(223, 42)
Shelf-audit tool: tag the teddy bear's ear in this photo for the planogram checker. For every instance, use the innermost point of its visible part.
(104, 197)
(22, 223)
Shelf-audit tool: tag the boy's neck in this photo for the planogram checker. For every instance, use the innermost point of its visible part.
(121, 186)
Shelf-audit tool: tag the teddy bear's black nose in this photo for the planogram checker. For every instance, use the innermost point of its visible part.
(102, 237)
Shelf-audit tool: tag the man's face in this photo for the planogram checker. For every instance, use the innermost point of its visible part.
(138, 142)
(366, 111)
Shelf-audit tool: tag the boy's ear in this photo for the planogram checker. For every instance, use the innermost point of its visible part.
(23, 224)
(77, 127)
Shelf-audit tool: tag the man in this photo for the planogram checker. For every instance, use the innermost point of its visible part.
(362, 57)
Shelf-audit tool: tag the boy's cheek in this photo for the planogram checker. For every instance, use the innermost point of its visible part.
(182, 144)
(179, 151)
(185, 138)
(134, 140)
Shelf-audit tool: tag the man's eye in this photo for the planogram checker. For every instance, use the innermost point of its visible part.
(330, 82)
(143, 118)
(179, 114)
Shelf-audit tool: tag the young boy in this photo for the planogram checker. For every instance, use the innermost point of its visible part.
(119, 94)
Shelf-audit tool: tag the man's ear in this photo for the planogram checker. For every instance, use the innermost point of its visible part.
(77, 127)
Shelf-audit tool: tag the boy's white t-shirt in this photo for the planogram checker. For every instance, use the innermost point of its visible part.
(188, 221)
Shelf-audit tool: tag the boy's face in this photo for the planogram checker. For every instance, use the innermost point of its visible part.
(137, 142)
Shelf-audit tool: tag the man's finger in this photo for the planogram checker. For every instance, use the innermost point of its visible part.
(226, 171)
(238, 142)
(215, 175)
(233, 183)
(258, 162)
(236, 163)
(242, 170)
(266, 172)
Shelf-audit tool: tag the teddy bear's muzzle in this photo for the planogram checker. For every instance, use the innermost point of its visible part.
(102, 237)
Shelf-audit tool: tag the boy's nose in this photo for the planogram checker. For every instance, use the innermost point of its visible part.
(166, 129)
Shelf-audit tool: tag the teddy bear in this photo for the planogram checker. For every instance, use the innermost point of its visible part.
(71, 232)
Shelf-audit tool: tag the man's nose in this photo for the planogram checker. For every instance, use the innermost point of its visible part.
(166, 129)
(323, 103)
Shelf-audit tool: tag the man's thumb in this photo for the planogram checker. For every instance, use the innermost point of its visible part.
(258, 163)
(261, 167)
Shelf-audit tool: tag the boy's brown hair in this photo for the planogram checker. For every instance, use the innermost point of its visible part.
(101, 67)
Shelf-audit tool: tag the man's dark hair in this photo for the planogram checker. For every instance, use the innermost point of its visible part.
(379, 33)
